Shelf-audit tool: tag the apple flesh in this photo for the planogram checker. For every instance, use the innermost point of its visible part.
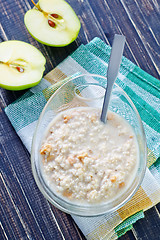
(21, 65)
(53, 23)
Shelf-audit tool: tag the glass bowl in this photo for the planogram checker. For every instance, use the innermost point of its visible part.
(87, 91)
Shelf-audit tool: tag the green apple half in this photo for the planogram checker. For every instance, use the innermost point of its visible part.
(52, 22)
(21, 65)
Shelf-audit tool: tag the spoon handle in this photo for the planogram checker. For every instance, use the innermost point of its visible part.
(112, 71)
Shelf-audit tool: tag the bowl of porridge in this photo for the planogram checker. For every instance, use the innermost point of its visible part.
(81, 165)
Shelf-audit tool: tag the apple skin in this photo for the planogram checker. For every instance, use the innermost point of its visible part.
(11, 79)
(18, 88)
(73, 31)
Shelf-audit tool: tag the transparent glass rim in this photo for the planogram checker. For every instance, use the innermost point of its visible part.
(78, 209)
(88, 99)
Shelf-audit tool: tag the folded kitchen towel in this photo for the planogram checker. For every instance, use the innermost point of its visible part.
(142, 88)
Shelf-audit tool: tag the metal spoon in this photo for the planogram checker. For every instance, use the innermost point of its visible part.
(112, 71)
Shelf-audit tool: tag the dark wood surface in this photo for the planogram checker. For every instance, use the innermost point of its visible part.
(24, 213)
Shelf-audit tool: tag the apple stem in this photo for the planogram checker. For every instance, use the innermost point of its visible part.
(36, 5)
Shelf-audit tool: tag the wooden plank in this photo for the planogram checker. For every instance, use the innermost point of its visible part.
(149, 227)
(25, 215)
(158, 208)
(133, 20)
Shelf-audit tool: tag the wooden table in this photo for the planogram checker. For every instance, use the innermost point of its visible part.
(24, 213)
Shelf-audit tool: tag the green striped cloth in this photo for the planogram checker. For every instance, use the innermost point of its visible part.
(142, 88)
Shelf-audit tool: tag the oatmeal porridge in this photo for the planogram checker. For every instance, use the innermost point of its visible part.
(86, 160)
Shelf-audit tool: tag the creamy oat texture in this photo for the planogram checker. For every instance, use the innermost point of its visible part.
(88, 161)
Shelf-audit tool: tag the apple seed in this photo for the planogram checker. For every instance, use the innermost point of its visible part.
(55, 15)
(20, 69)
(51, 24)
